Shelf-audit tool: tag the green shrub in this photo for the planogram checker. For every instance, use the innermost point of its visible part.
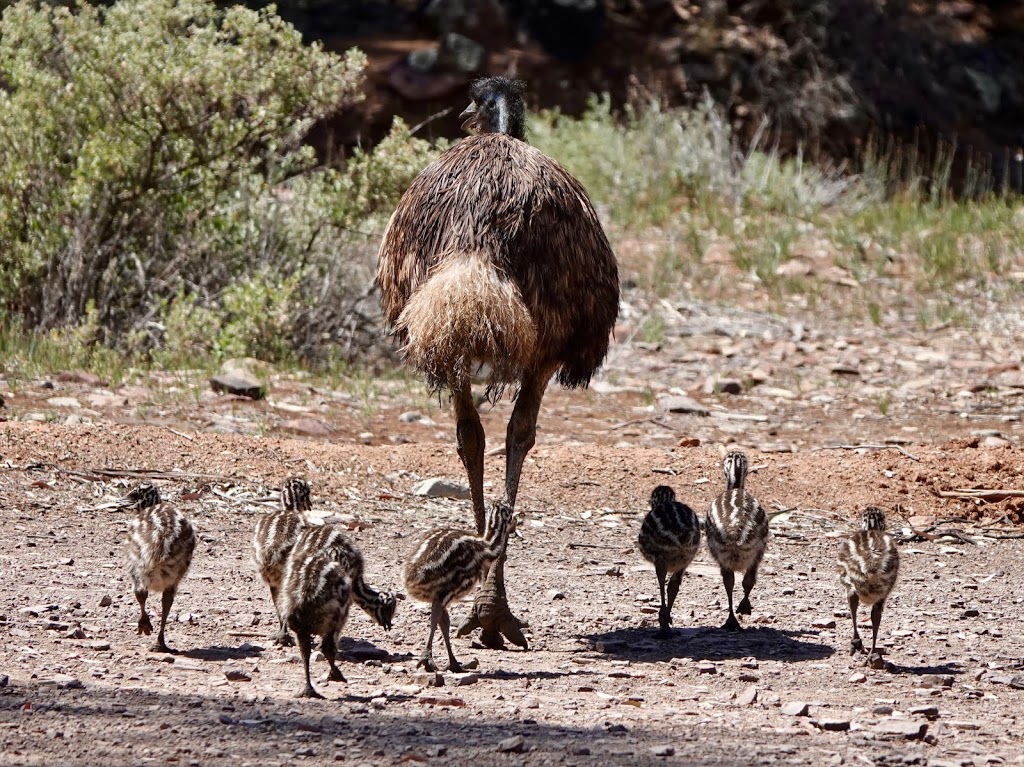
(153, 151)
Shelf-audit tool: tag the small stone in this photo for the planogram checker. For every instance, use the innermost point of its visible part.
(929, 712)
(429, 679)
(858, 678)
(831, 725)
(846, 370)
(65, 682)
(4, 680)
(461, 680)
(106, 601)
(902, 728)
(677, 403)
(410, 416)
(728, 386)
(441, 488)
(795, 708)
(554, 594)
(76, 633)
(580, 751)
(95, 644)
(663, 750)
(37, 610)
(309, 427)
(237, 674)
(514, 745)
(704, 667)
(748, 697)
(823, 623)
(883, 710)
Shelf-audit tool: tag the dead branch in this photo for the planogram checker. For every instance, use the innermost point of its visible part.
(868, 447)
(989, 496)
(97, 474)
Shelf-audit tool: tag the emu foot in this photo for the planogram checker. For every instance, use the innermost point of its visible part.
(455, 667)
(426, 663)
(875, 660)
(161, 646)
(282, 638)
(145, 625)
(309, 692)
(732, 624)
(664, 623)
(495, 620)
(856, 646)
(744, 608)
(335, 674)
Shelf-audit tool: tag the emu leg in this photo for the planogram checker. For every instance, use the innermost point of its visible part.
(673, 592)
(329, 647)
(749, 579)
(306, 649)
(470, 440)
(145, 624)
(665, 613)
(490, 610)
(281, 636)
(729, 581)
(874, 657)
(427, 658)
(166, 600)
(446, 626)
(856, 645)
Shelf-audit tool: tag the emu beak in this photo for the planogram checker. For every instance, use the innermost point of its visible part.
(469, 117)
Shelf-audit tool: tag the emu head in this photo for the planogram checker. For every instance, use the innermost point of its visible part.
(735, 469)
(384, 608)
(496, 107)
(144, 496)
(662, 494)
(295, 495)
(873, 518)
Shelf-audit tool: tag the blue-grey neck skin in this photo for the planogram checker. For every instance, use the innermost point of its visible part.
(735, 468)
(144, 496)
(873, 519)
(662, 494)
(497, 107)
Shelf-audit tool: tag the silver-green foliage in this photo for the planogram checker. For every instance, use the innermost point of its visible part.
(153, 152)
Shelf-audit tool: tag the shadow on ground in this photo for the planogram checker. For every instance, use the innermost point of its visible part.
(761, 642)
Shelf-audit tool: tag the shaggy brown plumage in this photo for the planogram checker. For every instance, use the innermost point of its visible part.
(496, 256)
(868, 565)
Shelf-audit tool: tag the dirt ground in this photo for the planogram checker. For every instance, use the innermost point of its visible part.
(833, 414)
(77, 686)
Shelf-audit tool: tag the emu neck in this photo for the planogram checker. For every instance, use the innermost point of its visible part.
(509, 120)
(735, 481)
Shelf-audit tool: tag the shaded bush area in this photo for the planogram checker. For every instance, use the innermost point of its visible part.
(154, 178)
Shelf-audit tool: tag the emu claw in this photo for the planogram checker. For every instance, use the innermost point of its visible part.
(856, 646)
(426, 663)
(732, 624)
(744, 608)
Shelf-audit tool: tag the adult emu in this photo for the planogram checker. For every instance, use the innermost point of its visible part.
(496, 256)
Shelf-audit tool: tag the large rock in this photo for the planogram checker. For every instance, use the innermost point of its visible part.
(239, 382)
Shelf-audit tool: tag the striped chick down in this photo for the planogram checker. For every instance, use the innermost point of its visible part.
(275, 536)
(447, 564)
(160, 546)
(869, 564)
(314, 599)
(669, 539)
(736, 527)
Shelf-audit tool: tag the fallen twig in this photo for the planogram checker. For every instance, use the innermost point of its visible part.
(909, 455)
(180, 434)
(126, 473)
(989, 496)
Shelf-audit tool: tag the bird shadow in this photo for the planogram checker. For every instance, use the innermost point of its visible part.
(761, 642)
(218, 652)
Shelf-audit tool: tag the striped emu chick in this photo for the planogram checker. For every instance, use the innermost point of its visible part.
(447, 564)
(322, 575)
(669, 539)
(160, 546)
(868, 565)
(275, 536)
(737, 531)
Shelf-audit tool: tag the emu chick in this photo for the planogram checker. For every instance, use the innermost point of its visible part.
(669, 539)
(868, 565)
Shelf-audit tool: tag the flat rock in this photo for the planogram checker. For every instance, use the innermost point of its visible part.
(310, 427)
(664, 750)
(677, 403)
(823, 623)
(80, 377)
(902, 728)
(748, 697)
(705, 667)
(69, 402)
(438, 487)
(37, 610)
(429, 679)
(461, 680)
(795, 708)
(831, 725)
(238, 382)
(514, 745)
(410, 416)
(237, 674)
(929, 712)
(65, 682)
(4, 680)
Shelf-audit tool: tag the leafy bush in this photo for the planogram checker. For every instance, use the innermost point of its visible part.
(153, 154)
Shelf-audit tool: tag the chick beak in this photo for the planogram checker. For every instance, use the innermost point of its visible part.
(469, 117)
